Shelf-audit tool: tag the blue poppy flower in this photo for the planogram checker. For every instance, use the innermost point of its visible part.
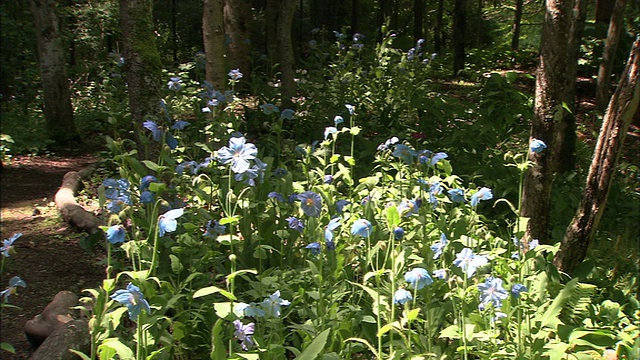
(272, 304)
(537, 146)
(402, 296)
(287, 114)
(398, 233)
(387, 143)
(418, 278)
(311, 203)
(438, 246)
(171, 141)
(440, 274)
(116, 234)
(314, 247)
(192, 165)
(340, 204)
(408, 207)
(244, 334)
(482, 194)
(295, 223)
(213, 229)
(276, 195)
(330, 130)
(180, 124)
(239, 153)
(469, 262)
(517, 289)
(133, 299)
(492, 292)
(361, 227)
(328, 179)
(167, 222)
(146, 181)
(350, 108)
(14, 282)
(456, 195)
(337, 120)
(175, 84)
(248, 310)
(147, 197)
(269, 109)
(328, 230)
(235, 74)
(437, 157)
(156, 131)
(116, 189)
(405, 153)
(7, 244)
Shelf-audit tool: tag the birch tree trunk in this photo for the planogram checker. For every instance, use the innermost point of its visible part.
(142, 66)
(213, 38)
(622, 109)
(58, 112)
(616, 26)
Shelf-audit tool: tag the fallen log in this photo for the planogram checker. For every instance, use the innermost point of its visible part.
(74, 214)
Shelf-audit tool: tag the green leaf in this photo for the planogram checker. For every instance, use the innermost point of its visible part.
(218, 351)
(212, 290)
(176, 266)
(229, 220)
(223, 309)
(451, 332)
(350, 160)
(365, 342)
(315, 348)
(82, 355)
(111, 347)
(393, 217)
(7, 347)
(151, 165)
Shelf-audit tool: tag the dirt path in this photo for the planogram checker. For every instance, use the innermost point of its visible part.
(48, 257)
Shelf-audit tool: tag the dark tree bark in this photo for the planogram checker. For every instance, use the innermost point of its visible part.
(616, 27)
(285, 21)
(517, 23)
(355, 16)
(418, 19)
(237, 26)
(459, 34)
(58, 112)
(438, 41)
(553, 84)
(622, 109)
(213, 37)
(272, 12)
(604, 10)
(142, 66)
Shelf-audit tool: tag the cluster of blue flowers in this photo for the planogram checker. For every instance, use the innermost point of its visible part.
(240, 155)
(118, 194)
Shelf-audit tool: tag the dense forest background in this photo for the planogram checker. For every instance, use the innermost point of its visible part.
(157, 86)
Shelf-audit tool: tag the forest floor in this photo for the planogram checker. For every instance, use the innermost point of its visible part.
(47, 257)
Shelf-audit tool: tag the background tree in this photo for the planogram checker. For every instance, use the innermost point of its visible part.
(58, 112)
(459, 34)
(622, 109)
(555, 80)
(143, 67)
(616, 27)
(237, 27)
(285, 45)
(213, 38)
(517, 24)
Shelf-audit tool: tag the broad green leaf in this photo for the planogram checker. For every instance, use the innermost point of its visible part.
(315, 348)
(365, 342)
(223, 309)
(229, 220)
(111, 347)
(7, 347)
(218, 351)
(82, 355)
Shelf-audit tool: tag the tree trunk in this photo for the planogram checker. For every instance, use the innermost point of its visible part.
(517, 23)
(213, 37)
(437, 31)
(604, 10)
(566, 160)
(355, 16)
(58, 112)
(459, 30)
(285, 21)
(237, 27)
(142, 66)
(616, 26)
(418, 19)
(623, 107)
(272, 11)
(548, 124)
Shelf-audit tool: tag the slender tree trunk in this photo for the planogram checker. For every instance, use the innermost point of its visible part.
(459, 35)
(285, 21)
(479, 29)
(622, 109)
(142, 66)
(213, 36)
(418, 19)
(616, 27)
(566, 160)
(237, 26)
(437, 33)
(272, 12)
(355, 16)
(604, 10)
(517, 23)
(58, 112)
(548, 124)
